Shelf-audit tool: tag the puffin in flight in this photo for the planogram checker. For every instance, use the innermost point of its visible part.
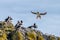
(39, 14)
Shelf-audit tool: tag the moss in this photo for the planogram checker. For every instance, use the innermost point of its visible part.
(31, 35)
(3, 36)
(17, 36)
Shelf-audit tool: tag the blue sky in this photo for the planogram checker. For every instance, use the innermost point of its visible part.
(21, 10)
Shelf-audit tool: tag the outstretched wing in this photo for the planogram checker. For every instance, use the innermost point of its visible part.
(33, 12)
(43, 13)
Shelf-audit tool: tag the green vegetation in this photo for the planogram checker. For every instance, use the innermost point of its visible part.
(10, 32)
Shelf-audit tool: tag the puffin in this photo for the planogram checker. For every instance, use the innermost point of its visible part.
(39, 14)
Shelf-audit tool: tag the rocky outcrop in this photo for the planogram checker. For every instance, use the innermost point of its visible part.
(10, 32)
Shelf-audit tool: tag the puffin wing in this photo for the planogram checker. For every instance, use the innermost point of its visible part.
(43, 13)
(33, 12)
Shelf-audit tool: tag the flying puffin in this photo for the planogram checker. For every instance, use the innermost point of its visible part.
(39, 14)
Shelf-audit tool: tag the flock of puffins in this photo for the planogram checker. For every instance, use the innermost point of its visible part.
(10, 32)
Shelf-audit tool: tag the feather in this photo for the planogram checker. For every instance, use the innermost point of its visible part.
(43, 13)
(33, 12)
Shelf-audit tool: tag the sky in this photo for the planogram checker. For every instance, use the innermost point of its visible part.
(21, 10)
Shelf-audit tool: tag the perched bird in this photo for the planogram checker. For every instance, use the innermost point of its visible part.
(39, 14)
(33, 26)
(8, 19)
(19, 23)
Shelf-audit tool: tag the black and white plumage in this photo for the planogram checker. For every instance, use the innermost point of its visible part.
(33, 26)
(39, 14)
(19, 23)
(8, 19)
